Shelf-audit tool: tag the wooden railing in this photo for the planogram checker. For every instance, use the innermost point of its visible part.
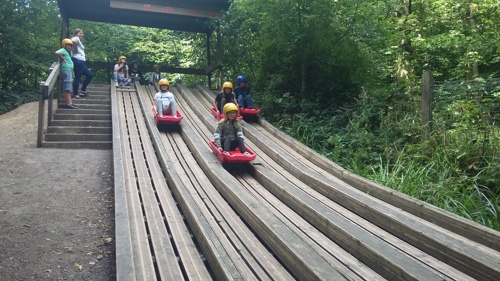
(217, 65)
(46, 92)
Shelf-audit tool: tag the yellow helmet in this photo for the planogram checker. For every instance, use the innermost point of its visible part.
(229, 107)
(66, 41)
(163, 82)
(227, 85)
(122, 57)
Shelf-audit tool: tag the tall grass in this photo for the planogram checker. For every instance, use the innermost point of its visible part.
(457, 171)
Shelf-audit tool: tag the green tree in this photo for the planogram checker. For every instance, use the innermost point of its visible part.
(29, 29)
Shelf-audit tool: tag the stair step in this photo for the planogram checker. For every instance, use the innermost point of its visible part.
(78, 116)
(81, 123)
(83, 111)
(80, 144)
(91, 101)
(96, 96)
(77, 137)
(104, 87)
(87, 106)
(79, 130)
(92, 91)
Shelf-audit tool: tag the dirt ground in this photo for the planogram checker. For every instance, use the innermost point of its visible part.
(56, 206)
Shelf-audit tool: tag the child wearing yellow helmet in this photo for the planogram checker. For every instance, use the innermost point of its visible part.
(120, 74)
(228, 135)
(165, 100)
(64, 55)
(225, 96)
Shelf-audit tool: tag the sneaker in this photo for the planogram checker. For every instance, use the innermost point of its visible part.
(77, 97)
(116, 84)
(246, 153)
(72, 106)
(83, 94)
(226, 152)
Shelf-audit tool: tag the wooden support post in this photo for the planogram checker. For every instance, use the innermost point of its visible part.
(64, 28)
(219, 55)
(41, 106)
(48, 93)
(427, 94)
(208, 61)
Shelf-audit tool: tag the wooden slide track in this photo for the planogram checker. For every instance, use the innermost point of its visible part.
(290, 214)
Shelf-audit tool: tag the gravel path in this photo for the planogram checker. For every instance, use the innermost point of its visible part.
(56, 206)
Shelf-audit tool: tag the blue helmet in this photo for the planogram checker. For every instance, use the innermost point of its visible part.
(241, 79)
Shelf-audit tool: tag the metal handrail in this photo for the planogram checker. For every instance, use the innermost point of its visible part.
(46, 91)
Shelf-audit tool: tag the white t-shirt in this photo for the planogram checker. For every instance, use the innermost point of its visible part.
(81, 49)
(166, 97)
(121, 74)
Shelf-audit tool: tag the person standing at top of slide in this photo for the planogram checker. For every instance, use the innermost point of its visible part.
(80, 69)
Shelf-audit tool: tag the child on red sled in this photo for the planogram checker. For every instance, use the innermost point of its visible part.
(165, 100)
(228, 135)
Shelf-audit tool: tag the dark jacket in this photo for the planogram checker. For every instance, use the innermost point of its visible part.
(227, 129)
(244, 91)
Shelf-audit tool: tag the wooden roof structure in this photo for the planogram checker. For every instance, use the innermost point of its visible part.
(182, 15)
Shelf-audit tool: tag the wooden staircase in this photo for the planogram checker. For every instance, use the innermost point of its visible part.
(87, 127)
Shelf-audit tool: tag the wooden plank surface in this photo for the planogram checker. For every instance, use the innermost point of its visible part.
(163, 251)
(124, 254)
(297, 168)
(143, 263)
(282, 218)
(259, 259)
(188, 254)
(215, 247)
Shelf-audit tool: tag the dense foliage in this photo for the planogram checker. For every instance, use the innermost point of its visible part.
(344, 77)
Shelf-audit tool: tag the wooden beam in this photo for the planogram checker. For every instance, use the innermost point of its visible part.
(163, 9)
(148, 68)
(213, 66)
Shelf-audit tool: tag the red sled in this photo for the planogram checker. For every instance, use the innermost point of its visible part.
(249, 111)
(167, 119)
(219, 116)
(234, 155)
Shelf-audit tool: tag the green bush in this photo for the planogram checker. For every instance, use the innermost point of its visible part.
(11, 99)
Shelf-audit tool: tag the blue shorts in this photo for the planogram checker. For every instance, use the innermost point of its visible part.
(66, 76)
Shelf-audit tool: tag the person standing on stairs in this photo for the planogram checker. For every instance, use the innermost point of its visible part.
(64, 55)
(78, 58)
